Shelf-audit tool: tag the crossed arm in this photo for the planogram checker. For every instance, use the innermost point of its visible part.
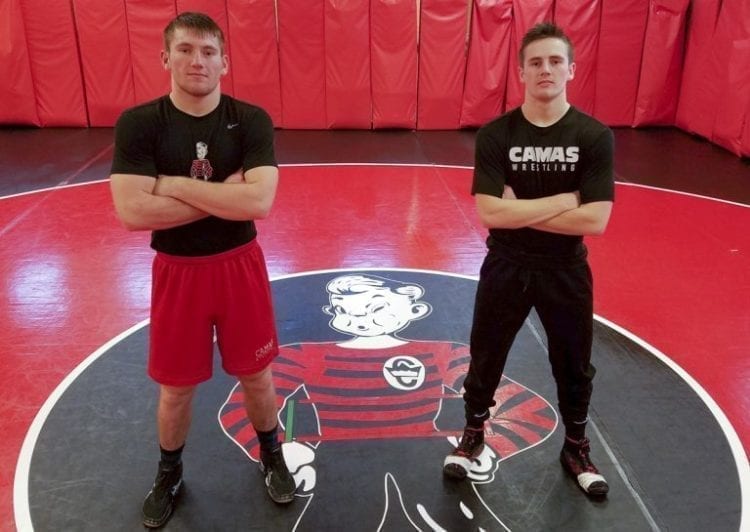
(562, 213)
(145, 203)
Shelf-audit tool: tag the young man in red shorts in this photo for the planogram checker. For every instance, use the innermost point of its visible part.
(196, 167)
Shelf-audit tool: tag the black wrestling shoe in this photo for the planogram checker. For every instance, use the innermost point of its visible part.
(279, 481)
(160, 501)
(576, 461)
(458, 464)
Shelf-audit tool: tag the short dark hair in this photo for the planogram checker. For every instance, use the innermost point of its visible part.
(545, 30)
(352, 284)
(198, 22)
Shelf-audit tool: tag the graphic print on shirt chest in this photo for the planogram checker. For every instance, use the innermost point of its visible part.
(201, 147)
(201, 167)
(543, 158)
(404, 372)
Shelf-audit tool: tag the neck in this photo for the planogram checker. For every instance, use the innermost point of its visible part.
(372, 342)
(544, 113)
(195, 105)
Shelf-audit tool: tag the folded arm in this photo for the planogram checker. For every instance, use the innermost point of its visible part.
(511, 213)
(585, 219)
(139, 209)
(588, 219)
(246, 198)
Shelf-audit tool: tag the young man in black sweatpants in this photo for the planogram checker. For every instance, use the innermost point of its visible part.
(543, 179)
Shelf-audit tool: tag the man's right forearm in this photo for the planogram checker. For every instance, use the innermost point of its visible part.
(512, 213)
(156, 212)
(140, 210)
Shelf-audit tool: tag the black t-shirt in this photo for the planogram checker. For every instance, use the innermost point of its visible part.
(157, 138)
(575, 153)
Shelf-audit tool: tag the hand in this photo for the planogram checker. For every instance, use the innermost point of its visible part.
(483, 467)
(161, 186)
(299, 458)
(236, 177)
(508, 193)
(570, 200)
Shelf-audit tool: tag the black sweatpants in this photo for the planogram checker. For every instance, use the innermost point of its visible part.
(560, 289)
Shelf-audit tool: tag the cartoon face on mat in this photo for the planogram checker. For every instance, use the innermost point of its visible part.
(372, 306)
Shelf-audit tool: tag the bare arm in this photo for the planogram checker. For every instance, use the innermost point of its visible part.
(588, 219)
(511, 213)
(140, 210)
(247, 199)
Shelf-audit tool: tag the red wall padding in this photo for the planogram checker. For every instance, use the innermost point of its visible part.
(442, 63)
(105, 59)
(580, 19)
(381, 63)
(393, 52)
(618, 66)
(55, 67)
(661, 66)
(347, 82)
(731, 51)
(303, 64)
(735, 97)
(17, 93)
(526, 13)
(255, 54)
(487, 64)
(218, 12)
(146, 21)
(696, 110)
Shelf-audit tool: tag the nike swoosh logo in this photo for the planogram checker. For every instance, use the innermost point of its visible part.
(232, 126)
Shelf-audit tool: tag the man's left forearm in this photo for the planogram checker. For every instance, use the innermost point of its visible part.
(587, 219)
(231, 200)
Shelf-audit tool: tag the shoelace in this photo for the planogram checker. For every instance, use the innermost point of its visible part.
(583, 456)
(275, 460)
(468, 442)
(163, 483)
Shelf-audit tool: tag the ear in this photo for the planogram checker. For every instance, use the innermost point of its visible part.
(420, 310)
(572, 70)
(225, 70)
(165, 60)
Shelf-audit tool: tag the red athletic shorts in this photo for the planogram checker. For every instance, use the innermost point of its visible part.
(193, 296)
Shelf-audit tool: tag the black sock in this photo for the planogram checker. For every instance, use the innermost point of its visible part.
(269, 439)
(576, 431)
(476, 421)
(169, 459)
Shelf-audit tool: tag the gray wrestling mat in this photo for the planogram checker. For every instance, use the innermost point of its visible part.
(665, 456)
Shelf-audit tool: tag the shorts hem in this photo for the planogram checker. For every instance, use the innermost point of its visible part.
(248, 371)
(168, 381)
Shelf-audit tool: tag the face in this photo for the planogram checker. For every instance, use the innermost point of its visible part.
(195, 61)
(546, 69)
(201, 150)
(373, 313)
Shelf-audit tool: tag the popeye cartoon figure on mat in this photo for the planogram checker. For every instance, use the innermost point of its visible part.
(362, 416)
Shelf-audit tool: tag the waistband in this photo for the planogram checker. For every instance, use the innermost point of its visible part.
(537, 260)
(203, 259)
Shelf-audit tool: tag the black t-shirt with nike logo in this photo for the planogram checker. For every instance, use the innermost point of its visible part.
(157, 138)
